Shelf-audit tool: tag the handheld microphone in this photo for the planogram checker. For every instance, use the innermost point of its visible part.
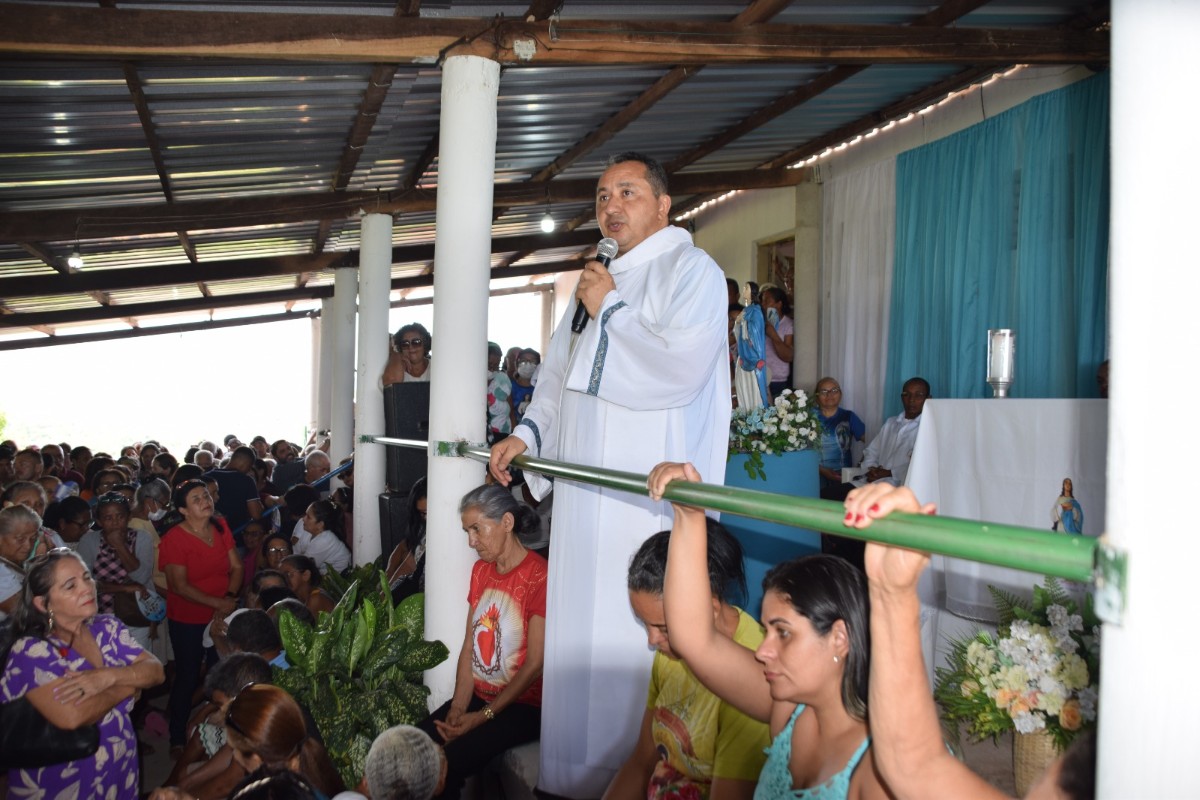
(605, 250)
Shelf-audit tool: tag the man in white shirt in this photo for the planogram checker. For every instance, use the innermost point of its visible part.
(648, 381)
(886, 457)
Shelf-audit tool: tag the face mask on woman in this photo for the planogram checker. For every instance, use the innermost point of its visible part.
(155, 516)
(526, 369)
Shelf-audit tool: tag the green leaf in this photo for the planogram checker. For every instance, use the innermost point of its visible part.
(421, 656)
(297, 641)
(410, 615)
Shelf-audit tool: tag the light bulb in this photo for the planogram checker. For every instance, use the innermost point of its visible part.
(75, 261)
(547, 223)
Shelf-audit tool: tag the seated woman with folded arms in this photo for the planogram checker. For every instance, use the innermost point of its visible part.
(908, 745)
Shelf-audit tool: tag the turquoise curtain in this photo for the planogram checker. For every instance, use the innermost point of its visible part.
(1005, 225)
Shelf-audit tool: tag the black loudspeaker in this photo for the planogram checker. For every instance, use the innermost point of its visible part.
(393, 516)
(406, 416)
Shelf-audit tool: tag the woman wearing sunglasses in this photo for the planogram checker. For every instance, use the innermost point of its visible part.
(409, 359)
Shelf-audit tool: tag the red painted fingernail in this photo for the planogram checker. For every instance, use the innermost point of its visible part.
(849, 516)
(874, 508)
(858, 517)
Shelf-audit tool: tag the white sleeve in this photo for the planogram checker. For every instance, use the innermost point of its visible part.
(143, 551)
(645, 364)
(538, 429)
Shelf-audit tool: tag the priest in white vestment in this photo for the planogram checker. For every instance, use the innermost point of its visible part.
(648, 381)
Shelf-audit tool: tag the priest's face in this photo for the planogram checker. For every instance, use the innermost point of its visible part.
(627, 208)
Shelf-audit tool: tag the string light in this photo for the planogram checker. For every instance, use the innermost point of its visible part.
(891, 123)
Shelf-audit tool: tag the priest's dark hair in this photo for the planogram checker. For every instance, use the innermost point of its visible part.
(655, 174)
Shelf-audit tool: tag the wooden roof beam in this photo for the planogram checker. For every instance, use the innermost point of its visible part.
(51, 225)
(946, 13)
(42, 252)
(135, 33)
(139, 277)
(41, 319)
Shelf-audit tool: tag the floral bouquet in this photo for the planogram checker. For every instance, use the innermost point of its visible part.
(1040, 673)
(788, 425)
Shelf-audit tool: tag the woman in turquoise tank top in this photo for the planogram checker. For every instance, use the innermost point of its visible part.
(808, 678)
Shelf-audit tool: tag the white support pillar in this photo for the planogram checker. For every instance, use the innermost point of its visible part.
(370, 460)
(1147, 714)
(323, 332)
(466, 165)
(339, 329)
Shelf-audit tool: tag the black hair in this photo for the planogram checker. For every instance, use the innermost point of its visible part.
(70, 506)
(268, 538)
(252, 631)
(923, 382)
(416, 523)
(410, 328)
(182, 490)
(293, 606)
(167, 461)
(186, 472)
(233, 672)
(775, 293)
(306, 564)
(243, 451)
(736, 307)
(111, 498)
(328, 515)
(298, 498)
(726, 571)
(656, 176)
(275, 594)
(495, 501)
(274, 783)
(823, 589)
(256, 582)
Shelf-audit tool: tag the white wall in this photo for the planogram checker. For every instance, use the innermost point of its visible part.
(730, 231)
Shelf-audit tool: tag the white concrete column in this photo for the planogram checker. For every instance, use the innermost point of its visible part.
(322, 385)
(466, 165)
(806, 311)
(339, 329)
(1147, 713)
(370, 460)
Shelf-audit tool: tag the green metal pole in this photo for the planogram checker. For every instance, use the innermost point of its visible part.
(1029, 549)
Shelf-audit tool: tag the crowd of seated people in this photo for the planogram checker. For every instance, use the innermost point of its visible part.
(126, 565)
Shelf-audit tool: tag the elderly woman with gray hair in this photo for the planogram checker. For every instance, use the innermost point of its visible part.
(497, 702)
(18, 535)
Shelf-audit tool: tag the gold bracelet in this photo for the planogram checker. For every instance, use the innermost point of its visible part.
(488, 714)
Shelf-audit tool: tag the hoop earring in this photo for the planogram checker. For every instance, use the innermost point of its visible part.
(835, 659)
(50, 614)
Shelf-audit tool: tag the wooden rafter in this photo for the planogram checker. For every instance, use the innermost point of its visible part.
(158, 330)
(230, 212)
(53, 31)
(42, 252)
(942, 15)
(139, 277)
(209, 304)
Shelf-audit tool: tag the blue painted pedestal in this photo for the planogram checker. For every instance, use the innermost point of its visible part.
(768, 543)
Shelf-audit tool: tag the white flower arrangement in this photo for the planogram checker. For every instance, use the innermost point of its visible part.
(787, 425)
(1040, 673)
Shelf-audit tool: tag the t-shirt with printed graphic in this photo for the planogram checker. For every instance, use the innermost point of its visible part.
(698, 736)
(501, 607)
(837, 434)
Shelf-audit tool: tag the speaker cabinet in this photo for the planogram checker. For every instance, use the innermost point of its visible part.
(393, 516)
(406, 416)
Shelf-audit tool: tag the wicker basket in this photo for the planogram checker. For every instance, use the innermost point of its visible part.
(1032, 753)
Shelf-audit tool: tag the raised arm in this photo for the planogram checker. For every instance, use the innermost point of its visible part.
(726, 668)
(905, 735)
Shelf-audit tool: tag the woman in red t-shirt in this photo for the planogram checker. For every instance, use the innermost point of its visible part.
(204, 573)
(497, 701)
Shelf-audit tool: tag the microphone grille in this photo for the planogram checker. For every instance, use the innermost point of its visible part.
(607, 248)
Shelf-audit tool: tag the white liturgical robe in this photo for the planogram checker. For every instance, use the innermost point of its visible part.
(648, 382)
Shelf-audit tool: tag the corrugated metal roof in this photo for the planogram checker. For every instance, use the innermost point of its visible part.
(72, 142)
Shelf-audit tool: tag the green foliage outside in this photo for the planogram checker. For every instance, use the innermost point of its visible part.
(359, 670)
